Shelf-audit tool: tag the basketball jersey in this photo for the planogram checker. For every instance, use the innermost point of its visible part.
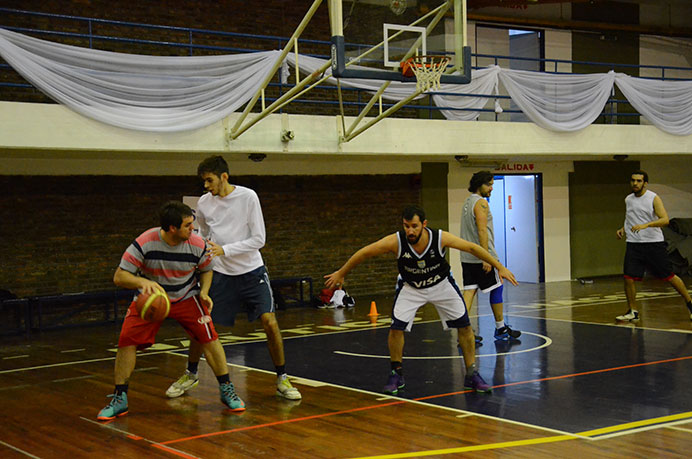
(469, 230)
(173, 267)
(640, 210)
(424, 270)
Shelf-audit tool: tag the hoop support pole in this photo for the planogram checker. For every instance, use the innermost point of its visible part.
(235, 130)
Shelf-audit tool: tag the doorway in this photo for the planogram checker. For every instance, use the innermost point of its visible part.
(517, 207)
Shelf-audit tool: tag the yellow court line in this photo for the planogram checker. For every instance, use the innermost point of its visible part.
(464, 449)
(634, 425)
(537, 441)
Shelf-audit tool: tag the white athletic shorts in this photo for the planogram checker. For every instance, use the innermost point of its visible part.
(445, 296)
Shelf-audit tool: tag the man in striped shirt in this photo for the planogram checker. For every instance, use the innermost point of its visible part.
(174, 260)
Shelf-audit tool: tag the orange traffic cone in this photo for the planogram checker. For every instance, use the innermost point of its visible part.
(373, 309)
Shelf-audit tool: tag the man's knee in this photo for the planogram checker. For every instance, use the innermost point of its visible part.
(269, 322)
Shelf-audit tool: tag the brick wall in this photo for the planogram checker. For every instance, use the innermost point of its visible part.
(66, 234)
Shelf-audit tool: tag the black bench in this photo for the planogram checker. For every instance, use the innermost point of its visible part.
(298, 290)
(59, 311)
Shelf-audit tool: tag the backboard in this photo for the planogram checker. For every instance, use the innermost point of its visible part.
(379, 34)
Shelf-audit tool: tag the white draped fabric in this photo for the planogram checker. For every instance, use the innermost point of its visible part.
(169, 94)
(559, 102)
(483, 83)
(146, 93)
(667, 104)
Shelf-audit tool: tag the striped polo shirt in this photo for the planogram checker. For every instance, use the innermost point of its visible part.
(174, 267)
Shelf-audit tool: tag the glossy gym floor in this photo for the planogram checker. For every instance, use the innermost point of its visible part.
(576, 384)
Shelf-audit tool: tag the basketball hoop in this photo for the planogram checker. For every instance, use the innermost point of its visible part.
(427, 69)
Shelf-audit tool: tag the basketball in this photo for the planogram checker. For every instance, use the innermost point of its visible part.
(154, 307)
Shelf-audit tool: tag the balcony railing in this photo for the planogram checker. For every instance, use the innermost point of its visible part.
(130, 37)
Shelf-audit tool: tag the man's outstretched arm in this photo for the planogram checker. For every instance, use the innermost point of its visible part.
(450, 240)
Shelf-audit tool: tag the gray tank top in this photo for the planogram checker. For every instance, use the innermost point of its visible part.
(469, 230)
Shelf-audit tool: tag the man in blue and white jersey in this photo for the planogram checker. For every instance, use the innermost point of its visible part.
(424, 276)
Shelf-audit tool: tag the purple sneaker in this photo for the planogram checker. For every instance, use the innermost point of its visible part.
(394, 384)
(477, 383)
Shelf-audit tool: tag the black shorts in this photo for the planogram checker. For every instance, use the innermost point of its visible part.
(476, 278)
(647, 256)
(249, 292)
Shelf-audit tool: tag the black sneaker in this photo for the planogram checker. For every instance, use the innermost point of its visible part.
(632, 315)
(506, 333)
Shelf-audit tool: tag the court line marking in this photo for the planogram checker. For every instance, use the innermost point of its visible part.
(79, 362)
(378, 396)
(538, 441)
(164, 351)
(72, 350)
(624, 325)
(420, 399)
(176, 352)
(75, 378)
(578, 303)
(465, 449)
(641, 426)
(23, 356)
(285, 421)
(106, 425)
(676, 427)
(21, 451)
(603, 370)
(678, 330)
(547, 343)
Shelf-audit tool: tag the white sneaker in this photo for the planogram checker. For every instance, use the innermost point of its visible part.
(285, 389)
(186, 382)
(631, 315)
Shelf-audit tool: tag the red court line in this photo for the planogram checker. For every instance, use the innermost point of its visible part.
(551, 378)
(173, 451)
(382, 405)
(276, 423)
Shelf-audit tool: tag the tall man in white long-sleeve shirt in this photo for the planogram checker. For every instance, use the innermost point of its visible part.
(230, 218)
(646, 247)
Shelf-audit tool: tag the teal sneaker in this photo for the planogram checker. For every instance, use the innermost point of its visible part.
(230, 398)
(117, 407)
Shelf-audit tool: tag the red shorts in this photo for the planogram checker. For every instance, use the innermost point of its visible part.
(190, 313)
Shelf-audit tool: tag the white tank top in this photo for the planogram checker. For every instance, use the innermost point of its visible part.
(640, 210)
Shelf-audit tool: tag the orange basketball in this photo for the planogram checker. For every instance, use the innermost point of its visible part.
(154, 307)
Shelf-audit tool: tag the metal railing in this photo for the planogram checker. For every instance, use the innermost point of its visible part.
(166, 40)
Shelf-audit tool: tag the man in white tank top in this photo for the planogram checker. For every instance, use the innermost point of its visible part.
(646, 248)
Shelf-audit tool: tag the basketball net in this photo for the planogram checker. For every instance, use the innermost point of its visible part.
(428, 70)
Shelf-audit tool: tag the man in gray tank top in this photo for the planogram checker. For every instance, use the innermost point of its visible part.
(646, 249)
(477, 227)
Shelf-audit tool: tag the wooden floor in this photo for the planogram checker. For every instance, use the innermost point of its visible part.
(576, 385)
